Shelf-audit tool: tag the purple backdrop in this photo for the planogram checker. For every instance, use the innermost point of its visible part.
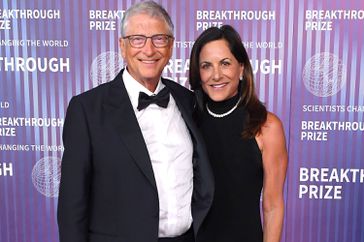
(308, 59)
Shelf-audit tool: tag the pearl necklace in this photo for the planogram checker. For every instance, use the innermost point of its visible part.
(221, 115)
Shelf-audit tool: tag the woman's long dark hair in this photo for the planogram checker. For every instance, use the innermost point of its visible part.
(256, 111)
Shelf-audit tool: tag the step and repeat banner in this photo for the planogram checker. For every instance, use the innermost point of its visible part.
(308, 61)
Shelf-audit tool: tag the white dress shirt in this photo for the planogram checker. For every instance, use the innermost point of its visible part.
(170, 149)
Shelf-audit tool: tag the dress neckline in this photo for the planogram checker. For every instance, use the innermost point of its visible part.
(224, 106)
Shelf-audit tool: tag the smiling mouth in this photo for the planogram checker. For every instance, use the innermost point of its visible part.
(149, 61)
(218, 85)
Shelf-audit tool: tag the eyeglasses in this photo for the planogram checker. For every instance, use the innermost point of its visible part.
(158, 40)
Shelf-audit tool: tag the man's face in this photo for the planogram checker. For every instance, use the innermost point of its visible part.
(146, 64)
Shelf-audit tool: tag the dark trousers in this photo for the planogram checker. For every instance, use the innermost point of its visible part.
(186, 237)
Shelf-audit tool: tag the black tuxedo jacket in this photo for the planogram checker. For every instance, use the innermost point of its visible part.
(108, 192)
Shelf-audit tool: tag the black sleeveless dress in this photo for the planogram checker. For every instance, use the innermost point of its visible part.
(237, 166)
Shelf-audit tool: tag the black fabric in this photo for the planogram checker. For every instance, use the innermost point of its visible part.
(161, 99)
(237, 166)
(186, 237)
(108, 191)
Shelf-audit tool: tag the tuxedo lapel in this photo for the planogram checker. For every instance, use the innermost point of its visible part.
(203, 178)
(182, 104)
(121, 114)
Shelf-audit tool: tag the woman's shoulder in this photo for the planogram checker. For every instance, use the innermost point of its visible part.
(271, 131)
(272, 121)
(272, 127)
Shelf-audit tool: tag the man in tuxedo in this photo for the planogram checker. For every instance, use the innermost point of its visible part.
(134, 167)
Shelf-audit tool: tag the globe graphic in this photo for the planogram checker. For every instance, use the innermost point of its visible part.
(324, 74)
(46, 176)
(105, 67)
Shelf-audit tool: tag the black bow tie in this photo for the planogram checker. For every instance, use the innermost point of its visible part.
(161, 99)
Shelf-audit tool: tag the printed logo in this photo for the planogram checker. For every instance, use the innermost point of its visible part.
(324, 74)
(105, 67)
(46, 176)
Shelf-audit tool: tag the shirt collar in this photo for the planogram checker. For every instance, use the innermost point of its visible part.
(133, 87)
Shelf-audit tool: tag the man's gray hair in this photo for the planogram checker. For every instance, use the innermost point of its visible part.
(150, 8)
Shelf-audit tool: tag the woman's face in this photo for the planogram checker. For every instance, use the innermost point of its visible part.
(220, 71)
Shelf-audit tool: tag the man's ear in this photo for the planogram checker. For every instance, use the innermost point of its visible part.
(122, 47)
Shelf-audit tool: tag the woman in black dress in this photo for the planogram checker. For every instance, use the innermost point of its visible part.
(245, 142)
